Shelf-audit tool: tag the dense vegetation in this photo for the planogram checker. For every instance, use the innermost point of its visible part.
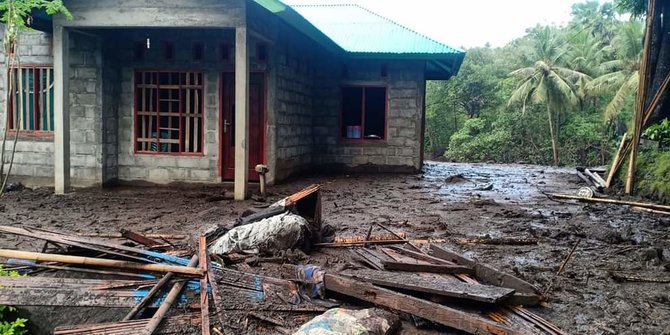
(559, 95)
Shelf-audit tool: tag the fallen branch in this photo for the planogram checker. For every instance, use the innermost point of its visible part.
(101, 262)
(639, 279)
(499, 241)
(611, 201)
(562, 267)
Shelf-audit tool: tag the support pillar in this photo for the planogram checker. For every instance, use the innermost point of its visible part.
(61, 50)
(241, 114)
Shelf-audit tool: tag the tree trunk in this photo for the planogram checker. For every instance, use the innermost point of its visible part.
(552, 133)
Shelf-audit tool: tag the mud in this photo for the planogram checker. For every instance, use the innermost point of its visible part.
(447, 201)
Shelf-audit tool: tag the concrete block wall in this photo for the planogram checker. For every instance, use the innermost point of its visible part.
(159, 168)
(33, 160)
(86, 120)
(400, 151)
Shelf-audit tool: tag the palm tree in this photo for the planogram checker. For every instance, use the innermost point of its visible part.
(545, 82)
(622, 73)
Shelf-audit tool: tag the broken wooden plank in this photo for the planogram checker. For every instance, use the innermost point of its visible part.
(447, 316)
(211, 279)
(499, 241)
(359, 244)
(431, 268)
(71, 297)
(172, 325)
(118, 235)
(204, 288)
(597, 180)
(455, 289)
(485, 273)
(139, 238)
(100, 262)
(363, 239)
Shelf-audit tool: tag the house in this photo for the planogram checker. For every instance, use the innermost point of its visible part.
(203, 90)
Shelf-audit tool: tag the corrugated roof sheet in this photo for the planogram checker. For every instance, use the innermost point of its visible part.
(359, 30)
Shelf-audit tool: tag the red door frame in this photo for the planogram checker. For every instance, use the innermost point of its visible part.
(221, 160)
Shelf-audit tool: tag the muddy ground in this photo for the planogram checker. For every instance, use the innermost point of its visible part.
(494, 200)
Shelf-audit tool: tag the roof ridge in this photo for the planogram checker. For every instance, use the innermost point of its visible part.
(381, 17)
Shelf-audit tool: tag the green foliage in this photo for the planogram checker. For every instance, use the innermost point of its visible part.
(659, 132)
(653, 175)
(17, 16)
(17, 325)
(484, 114)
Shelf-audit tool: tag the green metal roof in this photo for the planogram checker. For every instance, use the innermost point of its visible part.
(353, 31)
(358, 30)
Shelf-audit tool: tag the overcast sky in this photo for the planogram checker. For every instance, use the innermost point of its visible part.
(467, 23)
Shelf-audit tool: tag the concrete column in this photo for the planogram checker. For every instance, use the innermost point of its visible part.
(61, 50)
(241, 114)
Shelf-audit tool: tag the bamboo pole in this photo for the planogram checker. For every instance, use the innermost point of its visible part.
(169, 300)
(612, 201)
(101, 262)
(148, 297)
(616, 164)
(641, 97)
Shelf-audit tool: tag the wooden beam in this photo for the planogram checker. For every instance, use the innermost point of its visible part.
(139, 238)
(612, 201)
(143, 303)
(485, 273)
(100, 262)
(431, 268)
(447, 316)
(204, 288)
(412, 282)
(618, 158)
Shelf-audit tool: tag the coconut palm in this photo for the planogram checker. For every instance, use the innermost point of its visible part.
(547, 83)
(622, 73)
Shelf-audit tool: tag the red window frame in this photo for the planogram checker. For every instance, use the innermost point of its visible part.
(362, 139)
(199, 86)
(38, 114)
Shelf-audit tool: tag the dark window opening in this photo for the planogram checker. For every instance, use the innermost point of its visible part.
(139, 49)
(169, 112)
(198, 51)
(261, 53)
(224, 51)
(364, 113)
(169, 51)
(31, 106)
(384, 70)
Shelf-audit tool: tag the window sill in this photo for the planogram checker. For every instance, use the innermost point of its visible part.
(170, 154)
(31, 135)
(362, 141)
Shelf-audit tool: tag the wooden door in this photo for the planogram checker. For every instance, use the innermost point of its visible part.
(256, 124)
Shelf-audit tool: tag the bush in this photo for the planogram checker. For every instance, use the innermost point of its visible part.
(653, 176)
(7, 325)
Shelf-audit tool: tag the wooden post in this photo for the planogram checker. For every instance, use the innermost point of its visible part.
(241, 114)
(641, 98)
(204, 292)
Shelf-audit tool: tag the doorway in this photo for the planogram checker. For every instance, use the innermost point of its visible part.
(256, 124)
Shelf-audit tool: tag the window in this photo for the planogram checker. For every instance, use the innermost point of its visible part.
(168, 112)
(261, 53)
(364, 113)
(32, 102)
(198, 51)
(168, 52)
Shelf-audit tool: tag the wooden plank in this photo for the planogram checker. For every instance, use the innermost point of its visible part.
(485, 273)
(218, 304)
(139, 238)
(101, 262)
(172, 325)
(455, 289)
(204, 288)
(72, 297)
(612, 201)
(430, 268)
(447, 316)
(145, 301)
(618, 160)
(597, 180)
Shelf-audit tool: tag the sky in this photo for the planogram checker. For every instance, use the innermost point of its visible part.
(466, 23)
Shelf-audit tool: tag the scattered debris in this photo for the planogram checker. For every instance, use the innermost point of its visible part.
(371, 321)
